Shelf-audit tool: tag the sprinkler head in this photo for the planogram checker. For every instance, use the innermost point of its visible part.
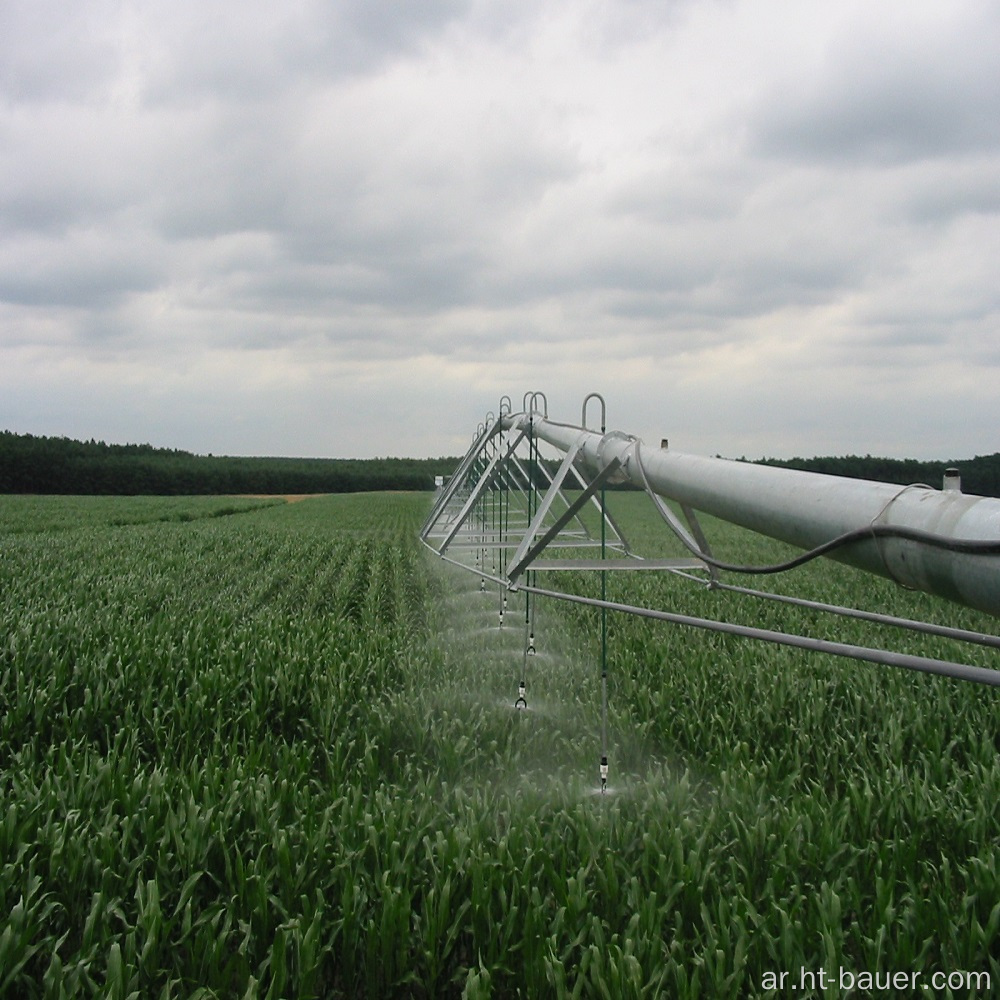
(521, 702)
(604, 774)
(501, 619)
(531, 643)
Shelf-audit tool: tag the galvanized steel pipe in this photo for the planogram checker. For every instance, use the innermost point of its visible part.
(808, 509)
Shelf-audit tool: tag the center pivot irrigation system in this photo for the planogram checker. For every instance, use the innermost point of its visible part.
(505, 508)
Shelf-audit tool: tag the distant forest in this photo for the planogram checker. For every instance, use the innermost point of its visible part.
(980, 475)
(31, 464)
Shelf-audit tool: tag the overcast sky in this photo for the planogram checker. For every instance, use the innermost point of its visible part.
(347, 227)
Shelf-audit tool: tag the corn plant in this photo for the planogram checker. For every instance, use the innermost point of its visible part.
(273, 752)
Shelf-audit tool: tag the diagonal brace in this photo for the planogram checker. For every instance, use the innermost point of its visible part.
(519, 566)
(484, 481)
(554, 490)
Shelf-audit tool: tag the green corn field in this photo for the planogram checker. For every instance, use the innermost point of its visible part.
(256, 749)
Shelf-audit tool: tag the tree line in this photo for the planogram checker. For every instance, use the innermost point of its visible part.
(979, 475)
(35, 464)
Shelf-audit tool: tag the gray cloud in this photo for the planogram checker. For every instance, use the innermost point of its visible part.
(225, 209)
(50, 51)
(906, 90)
(82, 270)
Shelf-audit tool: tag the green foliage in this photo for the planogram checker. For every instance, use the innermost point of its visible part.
(275, 755)
(35, 514)
(47, 465)
(980, 475)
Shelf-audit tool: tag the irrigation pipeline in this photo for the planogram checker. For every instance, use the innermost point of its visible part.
(869, 532)
(942, 542)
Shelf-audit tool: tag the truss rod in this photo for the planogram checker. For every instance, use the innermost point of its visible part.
(910, 624)
(945, 542)
(523, 560)
(959, 671)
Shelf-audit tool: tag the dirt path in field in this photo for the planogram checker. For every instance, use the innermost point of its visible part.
(288, 497)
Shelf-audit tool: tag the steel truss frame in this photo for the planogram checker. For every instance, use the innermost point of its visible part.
(502, 500)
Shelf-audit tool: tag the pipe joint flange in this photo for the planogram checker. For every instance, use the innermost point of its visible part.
(609, 447)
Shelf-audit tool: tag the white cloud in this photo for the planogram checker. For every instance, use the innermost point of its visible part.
(773, 226)
(897, 83)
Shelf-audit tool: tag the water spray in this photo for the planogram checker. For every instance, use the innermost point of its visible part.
(942, 542)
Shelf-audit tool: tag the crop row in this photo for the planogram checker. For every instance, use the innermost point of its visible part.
(863, 797)
(275, 754)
